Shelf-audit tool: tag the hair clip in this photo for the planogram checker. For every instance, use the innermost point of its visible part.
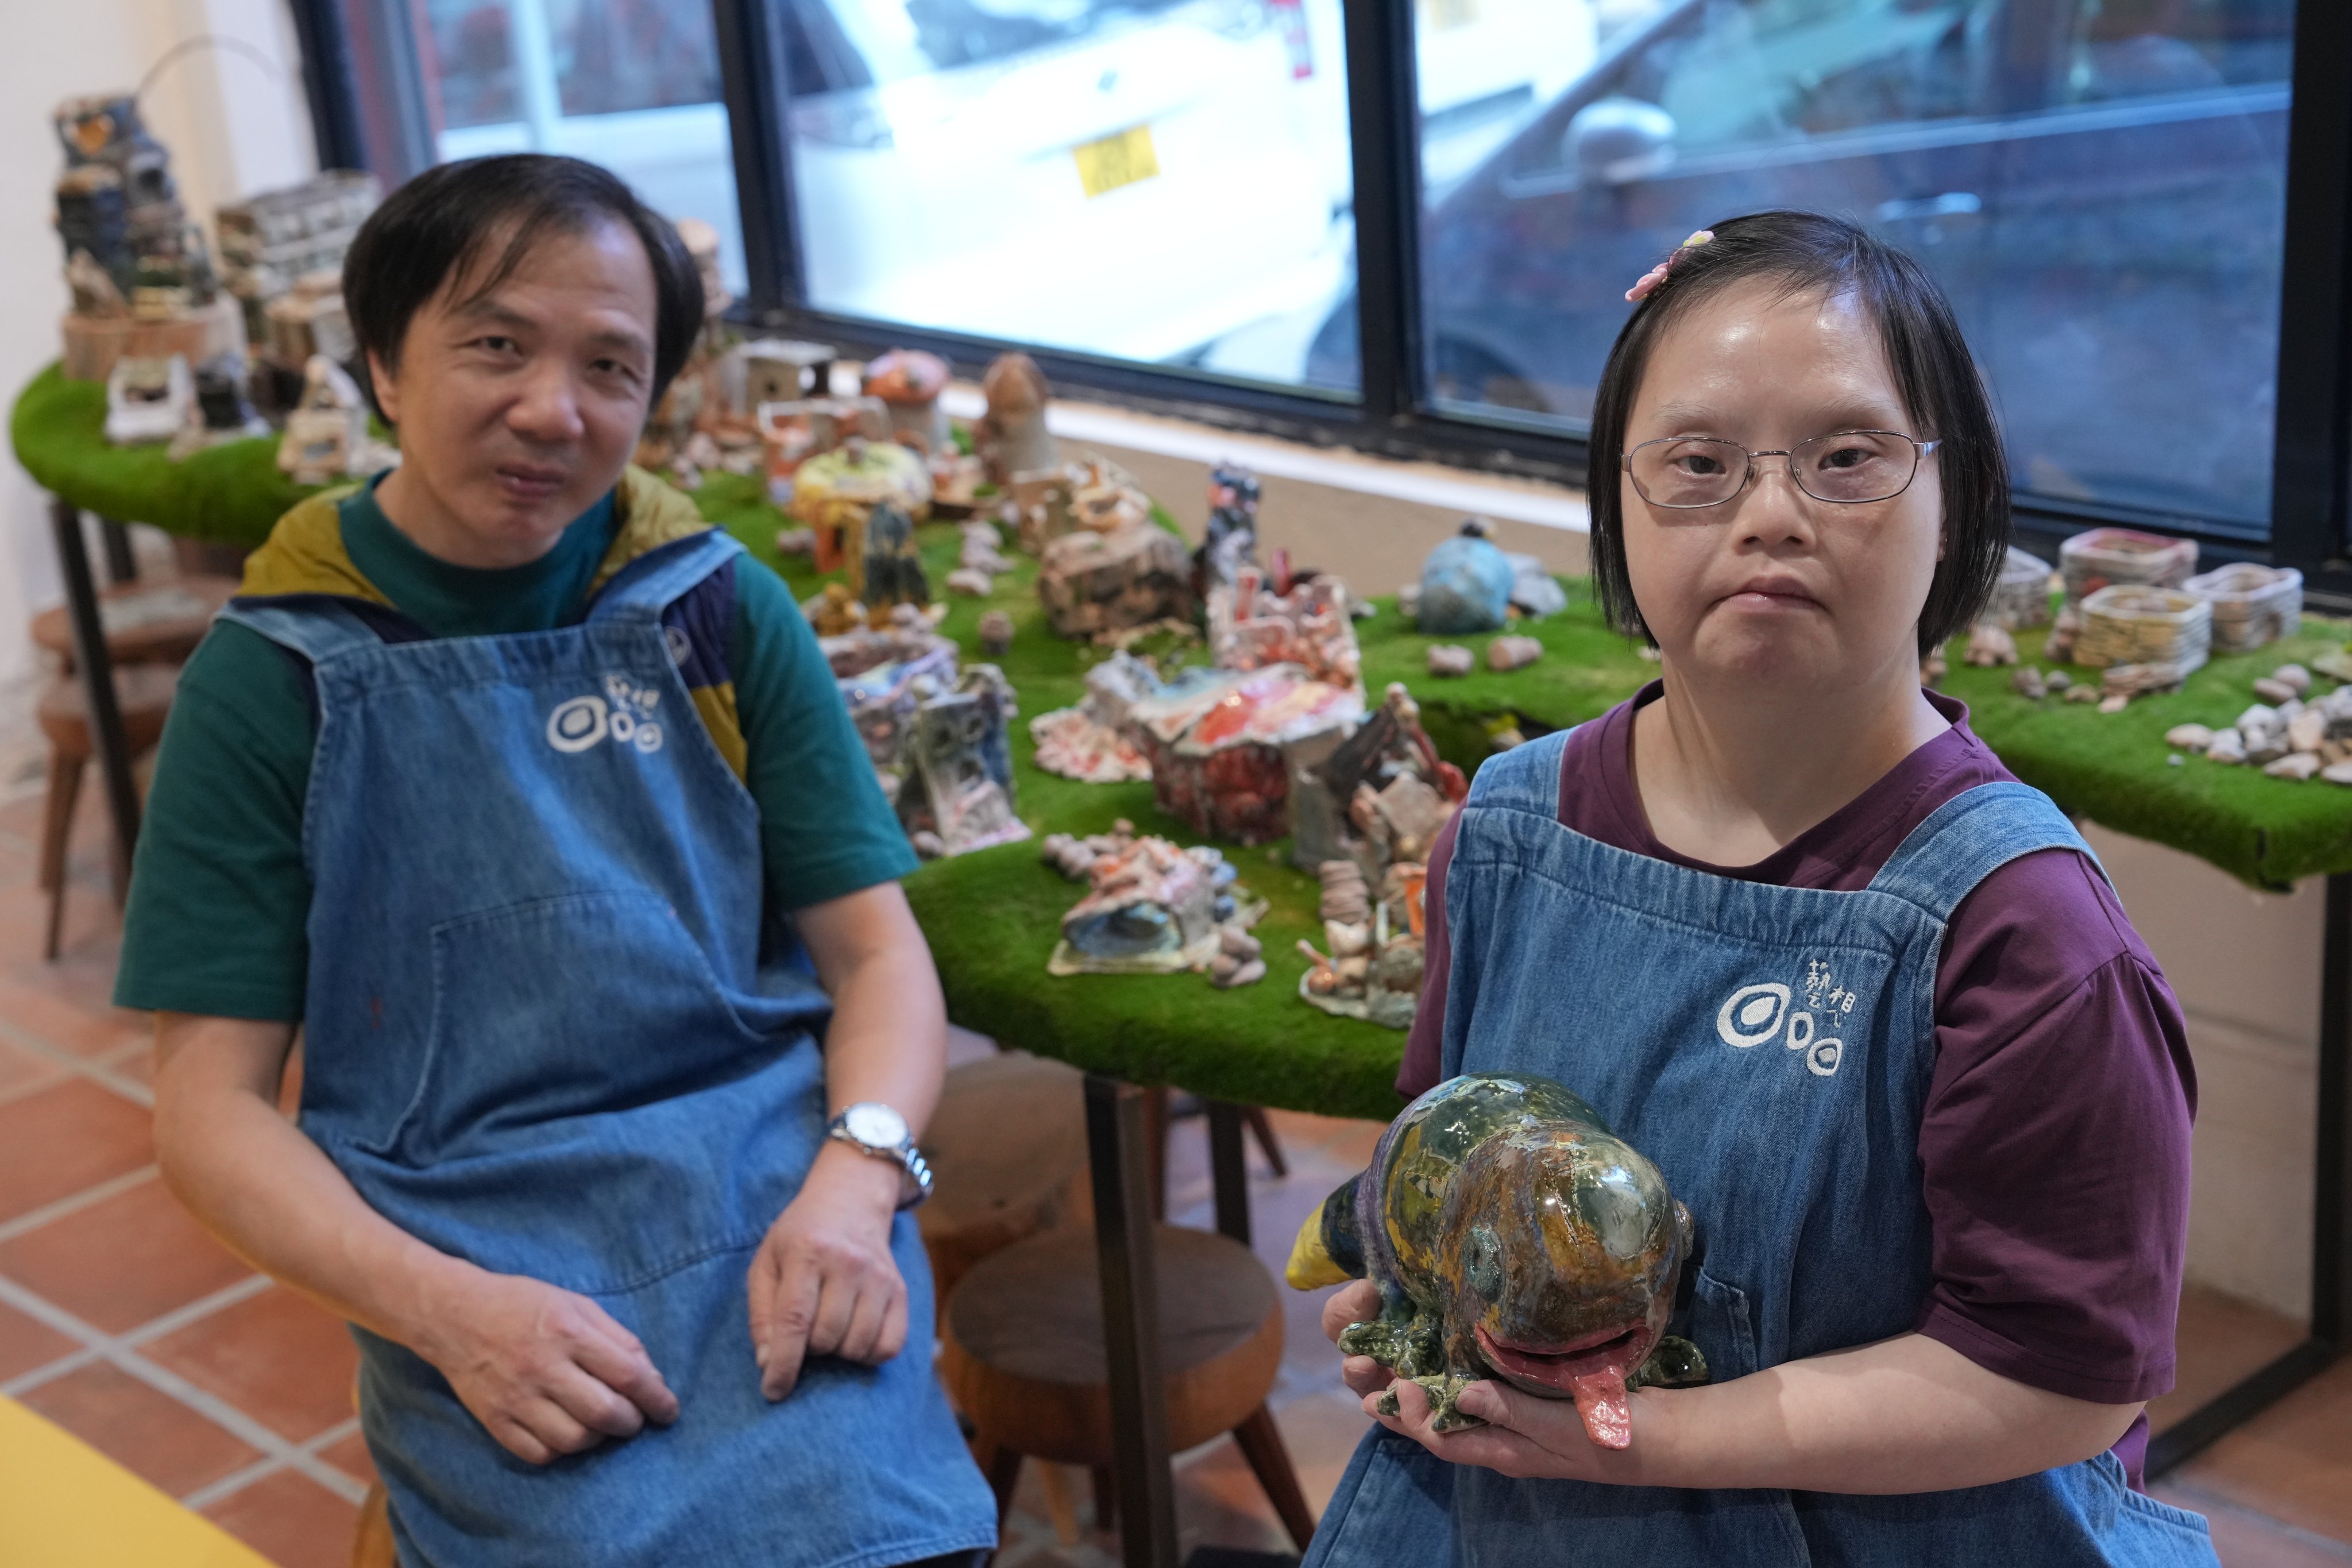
(1648, 282)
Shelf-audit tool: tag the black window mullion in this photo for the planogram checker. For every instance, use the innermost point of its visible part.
(330, 83)
(2313, 415)
(1382, 114)
(756, 86)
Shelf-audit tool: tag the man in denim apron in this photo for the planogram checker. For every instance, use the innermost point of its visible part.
(615, 1026)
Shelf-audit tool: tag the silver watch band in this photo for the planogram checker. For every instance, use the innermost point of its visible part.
(915, 1172)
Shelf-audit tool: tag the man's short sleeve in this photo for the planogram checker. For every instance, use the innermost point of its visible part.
(220, 899)
(823, 824)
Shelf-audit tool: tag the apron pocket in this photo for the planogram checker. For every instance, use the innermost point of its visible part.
(1722, 1328)
(561, 1008)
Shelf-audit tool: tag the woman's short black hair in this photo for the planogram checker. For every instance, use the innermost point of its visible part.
(436, 227)
(1941, 389)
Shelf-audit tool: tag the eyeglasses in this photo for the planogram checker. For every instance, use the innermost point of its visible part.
(1848, 467)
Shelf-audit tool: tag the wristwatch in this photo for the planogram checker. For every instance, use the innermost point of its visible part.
(875, 1129)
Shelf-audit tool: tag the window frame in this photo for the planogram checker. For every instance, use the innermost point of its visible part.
(1396, 415)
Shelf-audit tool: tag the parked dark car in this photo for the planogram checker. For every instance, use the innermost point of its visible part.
(2099, 184)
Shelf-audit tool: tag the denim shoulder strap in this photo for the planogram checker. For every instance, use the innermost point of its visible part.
(316, 625)
(1525, 778)
(648, 585)
(1967, 838)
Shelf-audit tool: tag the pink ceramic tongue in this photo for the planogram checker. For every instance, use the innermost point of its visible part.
(1599, 1396)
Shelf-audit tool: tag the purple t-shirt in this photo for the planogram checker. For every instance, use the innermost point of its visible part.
(2053, 1149)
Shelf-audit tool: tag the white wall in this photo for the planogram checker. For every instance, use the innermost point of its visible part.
(234, 128)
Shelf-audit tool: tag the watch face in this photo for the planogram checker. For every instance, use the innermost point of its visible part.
(875, 1126)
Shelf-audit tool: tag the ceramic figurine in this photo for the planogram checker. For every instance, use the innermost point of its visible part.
(267, 241)
(1506, 654)
(1220, 744)
(1512, 1235)
(995, 631)
(117, 199)
(1089, 743)
(327, 435)
(960, 787)
(1092, 582)
(1150, 908)
(1230, 540)
(1465, 584)
(834, 611)
(1378, 796)
(834, 491)
(148, 399)
(910, 381)
(891, 572)
(1255, 622)
(1374, 969)
(1012, 438)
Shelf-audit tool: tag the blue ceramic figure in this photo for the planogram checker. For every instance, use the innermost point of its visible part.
(1465, 584)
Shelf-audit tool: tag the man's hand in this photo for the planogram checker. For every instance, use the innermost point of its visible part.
(823, 1281)
(544, 1370)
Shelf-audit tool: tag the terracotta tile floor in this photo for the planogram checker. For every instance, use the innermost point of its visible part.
(122, 1322)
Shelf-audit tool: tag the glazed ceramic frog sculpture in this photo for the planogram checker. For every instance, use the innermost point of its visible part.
(1511, 1235)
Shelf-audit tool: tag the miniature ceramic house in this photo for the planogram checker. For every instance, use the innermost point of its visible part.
(1092, 582)
(1012, 438)
(148, 399)
(269, 241)
(326, 437)
(960, 789)
(781, 370)
(833, 492)
(1218, 743)
(1253, 624)
(910, 381)
(1376, 795)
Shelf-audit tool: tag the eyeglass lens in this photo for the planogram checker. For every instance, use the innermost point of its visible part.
(1850, 467)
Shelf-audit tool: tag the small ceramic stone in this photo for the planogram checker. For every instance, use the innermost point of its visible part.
(2177, 759)
(2057, 680)
(2227, 746)
(968, 580)
(1245, 972)
(2082, 694)
(2188, 737)
(2027, 683)
(2294, 677)
(1512, 653)
(2271, 689)
(2337, 773)
(2257, 718)
(2295, 765)
(928, 845)
(2115, 704)
(2307, 730)
(1239, 942)
(1451, 659)
(995, 633)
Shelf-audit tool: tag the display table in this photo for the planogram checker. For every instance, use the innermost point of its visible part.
(992, 917)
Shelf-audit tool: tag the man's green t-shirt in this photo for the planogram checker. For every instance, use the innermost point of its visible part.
(220, 898)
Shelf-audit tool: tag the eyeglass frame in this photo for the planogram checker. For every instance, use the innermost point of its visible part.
(1921, 452)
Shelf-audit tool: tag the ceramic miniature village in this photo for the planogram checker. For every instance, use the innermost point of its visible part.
(1259, 729)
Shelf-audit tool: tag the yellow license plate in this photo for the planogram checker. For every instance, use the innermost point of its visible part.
(1116, 160)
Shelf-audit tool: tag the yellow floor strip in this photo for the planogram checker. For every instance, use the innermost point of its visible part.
(63, 1504)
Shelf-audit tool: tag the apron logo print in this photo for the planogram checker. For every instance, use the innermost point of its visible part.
(1754, 1014)
(624, 713)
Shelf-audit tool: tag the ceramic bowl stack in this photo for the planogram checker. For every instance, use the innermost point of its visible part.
(2022, 597)
(2161, 633)
(2251, 604)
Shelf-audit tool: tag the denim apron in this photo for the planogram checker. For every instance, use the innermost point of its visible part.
(1770, 1049)
(546, 1032)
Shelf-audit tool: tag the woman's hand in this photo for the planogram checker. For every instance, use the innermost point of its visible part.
(823, 1281)
(545, 1370)
(1526, 1437)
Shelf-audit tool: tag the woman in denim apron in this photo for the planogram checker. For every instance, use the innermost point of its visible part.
(622, 1294)
(1812, 495)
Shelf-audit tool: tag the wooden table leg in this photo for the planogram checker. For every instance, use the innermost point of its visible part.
(121, 565)
(97, 667)
(2331, 1239)
(1117, 1152)
(1229, 1169)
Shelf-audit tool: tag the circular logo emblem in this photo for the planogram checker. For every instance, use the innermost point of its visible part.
(648, 736)
(1753, 1015)
(1823, 1056)
(578, 724)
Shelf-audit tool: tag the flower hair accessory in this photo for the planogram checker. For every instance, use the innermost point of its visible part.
(1649, 281)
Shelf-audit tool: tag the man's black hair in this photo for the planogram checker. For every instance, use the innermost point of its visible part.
(1941, 389)
(438, 226)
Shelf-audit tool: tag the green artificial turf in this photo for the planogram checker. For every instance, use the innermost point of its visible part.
(992, 917)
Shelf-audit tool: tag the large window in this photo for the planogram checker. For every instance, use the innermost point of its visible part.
(2099, 184)
(1149, 180)
(1407, 225)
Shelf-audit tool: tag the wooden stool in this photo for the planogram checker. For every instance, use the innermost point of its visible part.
(372, 1542)
(144, 692)
(145, 623)
(1007, 1148)
(1022, 1355)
